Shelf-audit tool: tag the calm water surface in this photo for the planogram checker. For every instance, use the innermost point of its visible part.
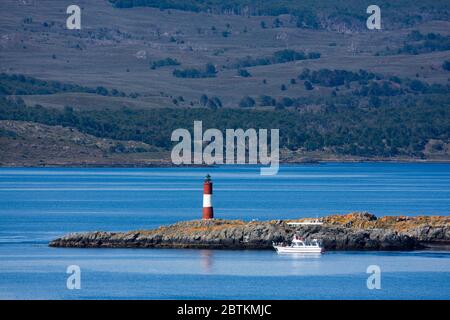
(37, 205)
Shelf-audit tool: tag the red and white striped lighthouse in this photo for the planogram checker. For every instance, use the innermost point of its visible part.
(208, 212)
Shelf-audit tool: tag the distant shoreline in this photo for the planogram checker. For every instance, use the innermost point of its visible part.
(168, 164)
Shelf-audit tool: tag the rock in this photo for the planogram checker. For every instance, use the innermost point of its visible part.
(366, 232)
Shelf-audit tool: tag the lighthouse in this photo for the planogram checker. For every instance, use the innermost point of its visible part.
(207, 199)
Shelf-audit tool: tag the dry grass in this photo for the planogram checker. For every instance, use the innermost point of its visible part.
(195, 227)
(399, 223)
(109, 58)
(356, 220)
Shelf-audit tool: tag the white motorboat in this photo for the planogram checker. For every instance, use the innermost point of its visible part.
(299, 245)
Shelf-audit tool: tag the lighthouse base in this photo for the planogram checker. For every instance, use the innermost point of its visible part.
(208, 213)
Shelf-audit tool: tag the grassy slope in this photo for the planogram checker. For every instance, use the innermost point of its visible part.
(31, 144)
(111, 39)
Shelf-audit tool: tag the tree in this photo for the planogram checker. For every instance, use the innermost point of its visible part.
(308, 85)
(102, 91)
(417, 85)
(164, 62)
(446, 65)
(244, 73)
(374, 102)
(210, 72)
(287, 102)
(212, 105)
(204, 99)
(400, 128)
(314, 55)
(277, 23)
(217, 101)
(266, 101)
(247, 102)
(210, 69)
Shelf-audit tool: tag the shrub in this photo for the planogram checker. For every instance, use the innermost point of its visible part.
(308, 85)
(266, 101)
(244, 73)
(209, 72)
(163, 63)
(446, 65)
(247, 102)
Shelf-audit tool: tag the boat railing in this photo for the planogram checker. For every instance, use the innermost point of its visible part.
(297, 242)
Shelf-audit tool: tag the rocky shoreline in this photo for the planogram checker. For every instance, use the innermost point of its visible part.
(355, 231)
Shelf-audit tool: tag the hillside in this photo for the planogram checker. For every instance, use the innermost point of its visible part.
(411, 132)
(117, 47)
(139, 69)
(308, 14)
(30, 144)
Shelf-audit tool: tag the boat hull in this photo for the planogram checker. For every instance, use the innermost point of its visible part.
(281, 249)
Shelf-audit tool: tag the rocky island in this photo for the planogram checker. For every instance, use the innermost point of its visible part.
(355, 231)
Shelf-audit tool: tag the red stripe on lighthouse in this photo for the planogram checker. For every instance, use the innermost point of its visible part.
(208, 212)
(207, 188)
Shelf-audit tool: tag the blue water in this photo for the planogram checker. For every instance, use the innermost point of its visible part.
(37, 205)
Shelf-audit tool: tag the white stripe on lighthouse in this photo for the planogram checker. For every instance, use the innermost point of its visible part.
(207, 203)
